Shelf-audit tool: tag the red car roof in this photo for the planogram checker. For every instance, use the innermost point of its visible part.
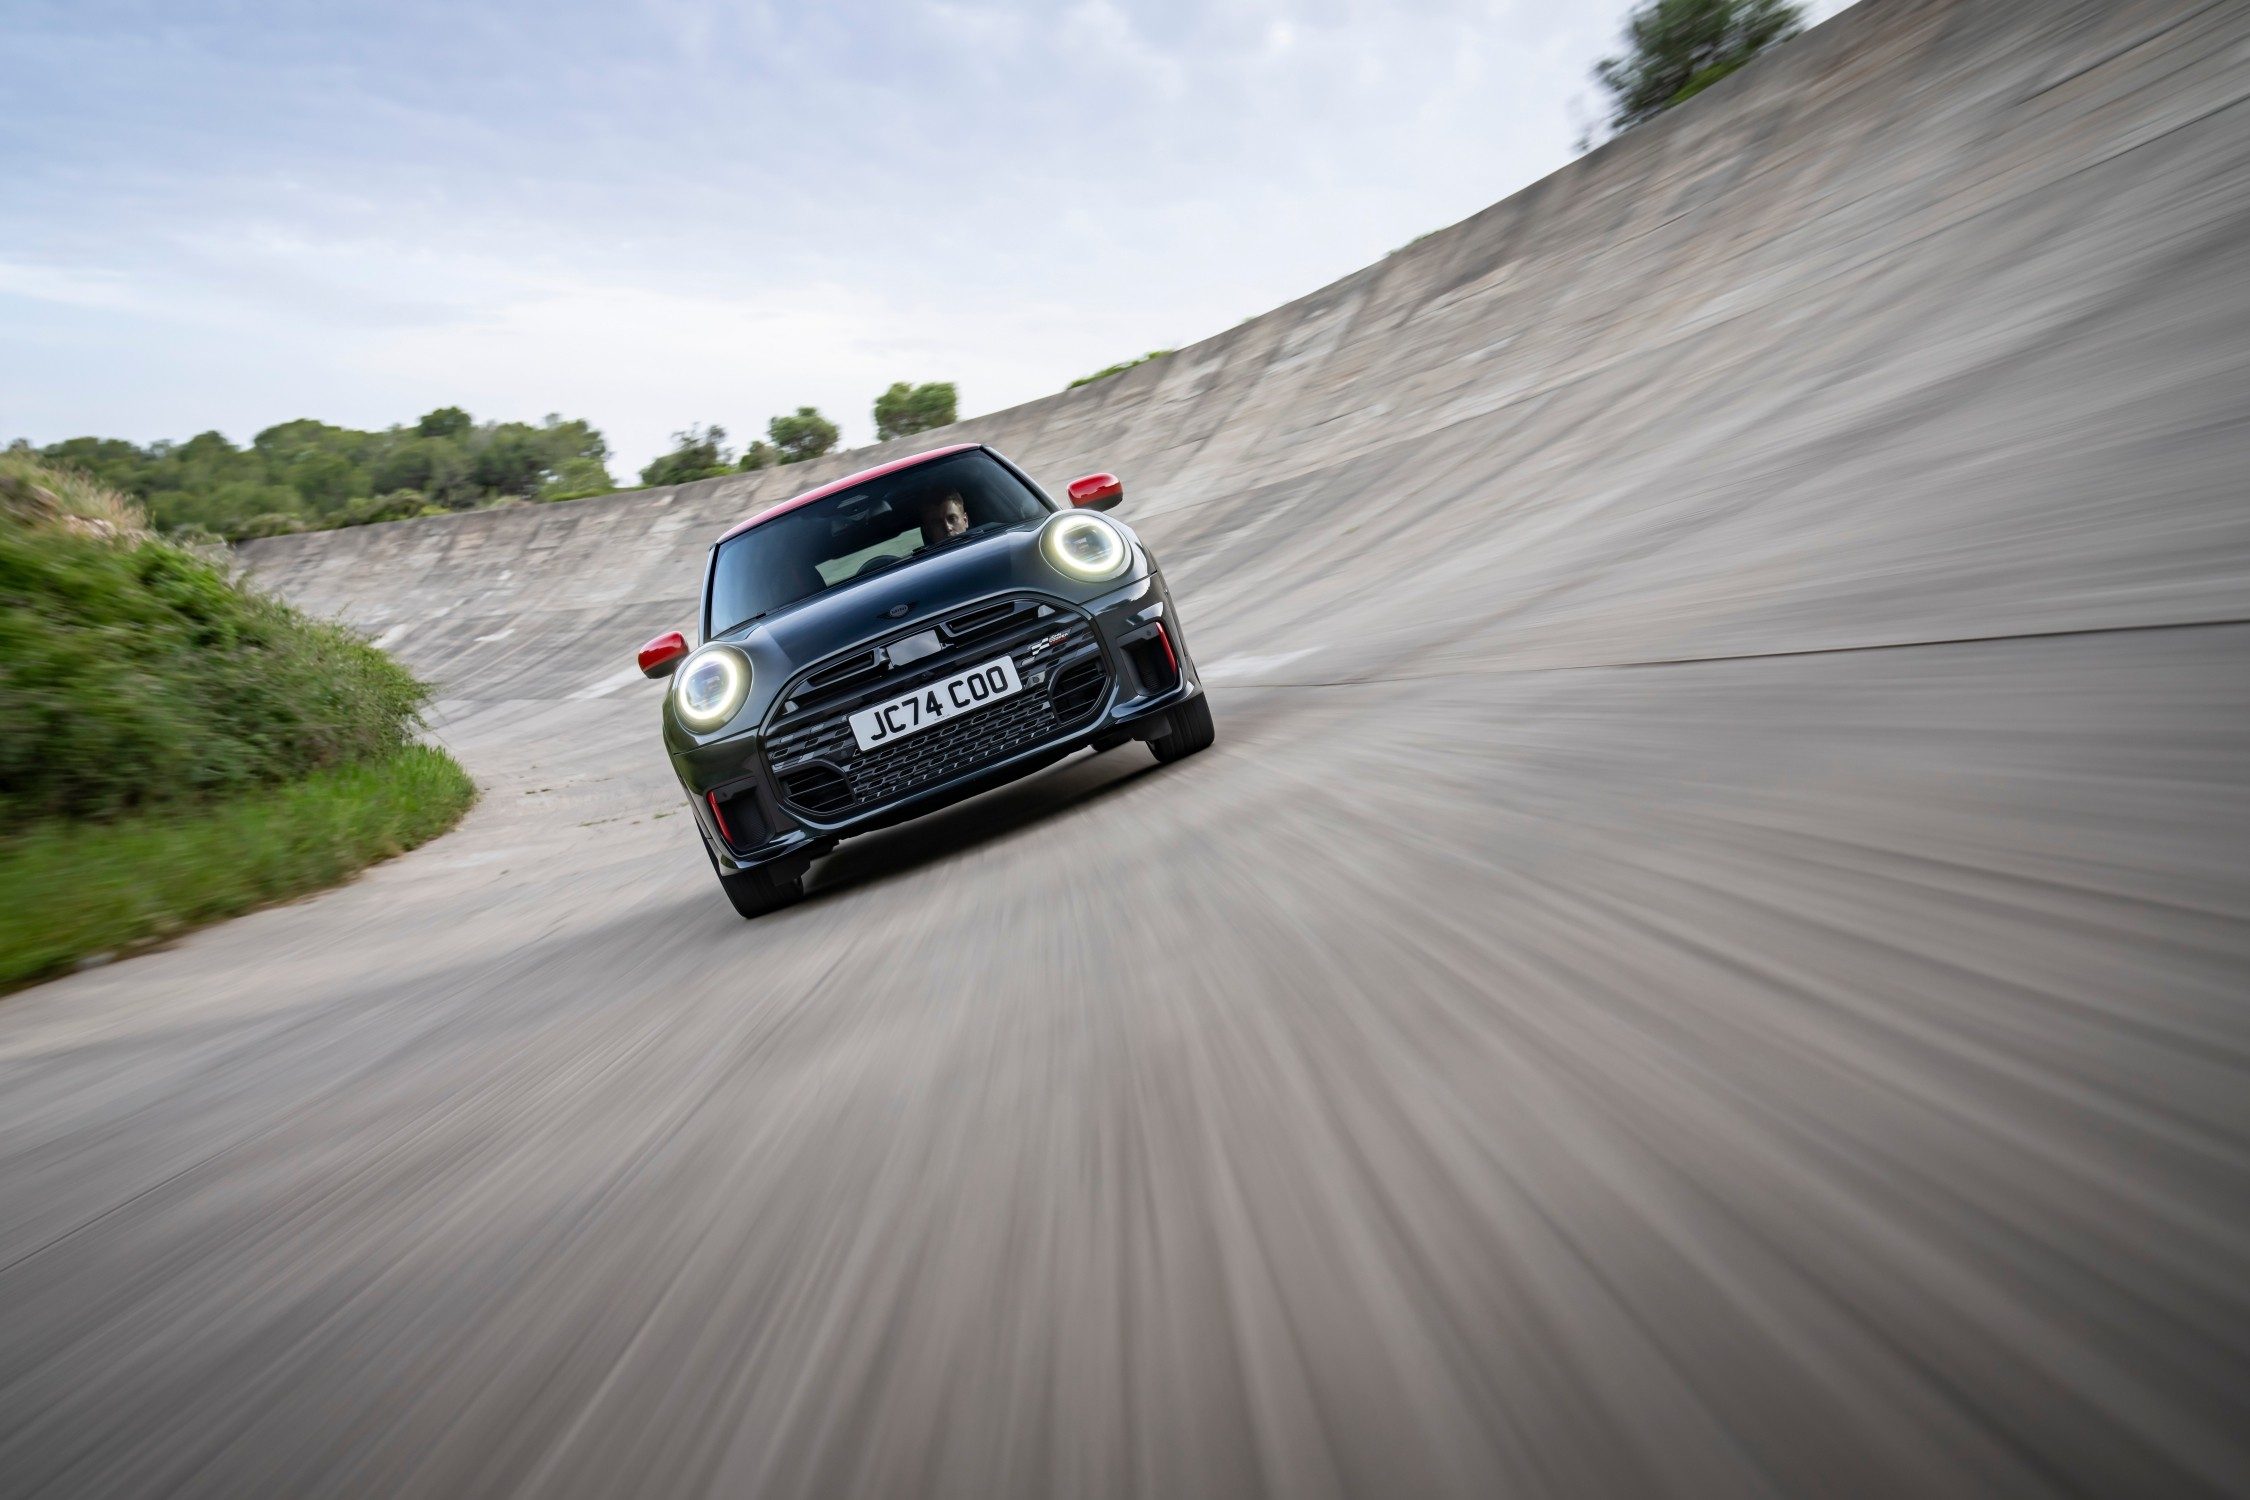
(845, 483)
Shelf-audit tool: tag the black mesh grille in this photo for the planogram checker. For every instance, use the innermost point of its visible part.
(823, 774)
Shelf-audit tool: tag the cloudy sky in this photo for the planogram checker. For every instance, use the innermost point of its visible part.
(667, 211)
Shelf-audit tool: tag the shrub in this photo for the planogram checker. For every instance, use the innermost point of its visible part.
(1118, 369)
(576, 478)
(135, 673)
(698, 453)
(398, 505)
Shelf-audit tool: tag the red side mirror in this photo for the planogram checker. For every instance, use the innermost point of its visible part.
(661, 655)
(1101, 491)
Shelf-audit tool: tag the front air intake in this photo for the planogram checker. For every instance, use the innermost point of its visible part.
(817, 789)
(1077, 688)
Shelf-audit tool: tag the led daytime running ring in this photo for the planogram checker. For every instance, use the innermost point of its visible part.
(1080, 545)
(709, 688)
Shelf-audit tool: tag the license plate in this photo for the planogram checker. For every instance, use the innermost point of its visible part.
(927, 707)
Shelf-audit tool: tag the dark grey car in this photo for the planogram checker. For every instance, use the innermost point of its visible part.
(903, 638)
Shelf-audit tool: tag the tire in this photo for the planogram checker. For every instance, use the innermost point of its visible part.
(1192, 730)
(755, 893)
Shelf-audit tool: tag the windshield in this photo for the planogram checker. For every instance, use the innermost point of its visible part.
(880, 524)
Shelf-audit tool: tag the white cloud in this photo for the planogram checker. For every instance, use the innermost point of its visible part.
(70, 288)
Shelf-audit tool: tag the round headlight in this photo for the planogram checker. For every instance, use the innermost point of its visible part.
(1080, 545)
(709, 687)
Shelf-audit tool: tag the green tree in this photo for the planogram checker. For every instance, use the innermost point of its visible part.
(452, 485)
(206, 450)
(576, 478)
(439, 469)
(407, 462)
(697, 453)
(316, 474)
(805, 435)
(445, 422)
(906, 409)
(285, 442)
(325, 478)
(572, 439)
(509, 458)
(111, 461)
(1675, 49)
(759, 455)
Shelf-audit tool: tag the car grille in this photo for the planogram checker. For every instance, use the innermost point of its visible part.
(821, 772)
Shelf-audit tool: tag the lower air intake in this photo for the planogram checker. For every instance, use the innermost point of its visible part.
(818, 790)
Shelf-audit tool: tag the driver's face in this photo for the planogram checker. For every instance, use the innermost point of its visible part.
(952, 516)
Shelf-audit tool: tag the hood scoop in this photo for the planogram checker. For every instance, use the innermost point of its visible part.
(868, 663)
(983, 619)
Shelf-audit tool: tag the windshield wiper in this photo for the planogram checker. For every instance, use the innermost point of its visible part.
(745, 620)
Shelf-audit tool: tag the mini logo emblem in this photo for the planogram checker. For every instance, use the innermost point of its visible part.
(898, 611)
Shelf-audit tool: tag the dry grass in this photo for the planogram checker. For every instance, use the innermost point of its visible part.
(33, 494)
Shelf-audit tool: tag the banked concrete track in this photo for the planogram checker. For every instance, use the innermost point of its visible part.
(1710, 957)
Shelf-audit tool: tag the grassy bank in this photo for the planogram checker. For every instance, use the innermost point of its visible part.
(69, 889)
(176, 746)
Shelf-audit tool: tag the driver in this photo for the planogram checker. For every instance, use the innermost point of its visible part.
(944, 514)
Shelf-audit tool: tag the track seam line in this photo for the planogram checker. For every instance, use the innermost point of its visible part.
(1689, 661)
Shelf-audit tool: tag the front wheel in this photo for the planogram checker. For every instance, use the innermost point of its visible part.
(1192, 730)
(754, 892)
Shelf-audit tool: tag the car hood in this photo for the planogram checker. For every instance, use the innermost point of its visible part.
(898, 597)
